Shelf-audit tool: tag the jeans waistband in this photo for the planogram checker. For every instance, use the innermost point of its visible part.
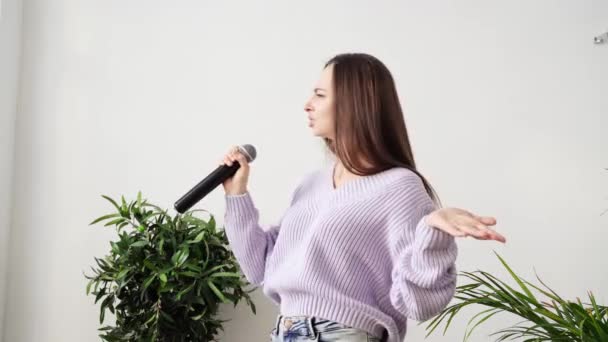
(308, 326)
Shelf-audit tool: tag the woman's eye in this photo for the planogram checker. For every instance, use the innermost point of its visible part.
(319, 95)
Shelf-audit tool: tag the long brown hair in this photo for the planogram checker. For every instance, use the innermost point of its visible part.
(369, 122)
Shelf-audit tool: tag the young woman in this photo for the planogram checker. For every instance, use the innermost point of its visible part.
(364, 245)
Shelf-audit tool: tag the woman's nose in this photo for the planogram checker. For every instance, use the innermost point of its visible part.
(307, 107)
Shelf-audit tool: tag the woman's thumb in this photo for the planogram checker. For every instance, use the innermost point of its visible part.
(242, 160)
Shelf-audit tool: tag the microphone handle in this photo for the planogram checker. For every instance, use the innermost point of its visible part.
(215, 178)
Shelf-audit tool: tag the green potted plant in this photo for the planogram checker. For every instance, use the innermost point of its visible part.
(165, 276)
(555, 319)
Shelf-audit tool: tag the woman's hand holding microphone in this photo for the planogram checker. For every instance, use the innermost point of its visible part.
(237, 184)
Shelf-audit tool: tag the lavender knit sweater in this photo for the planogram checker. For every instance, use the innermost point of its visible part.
(360, 254)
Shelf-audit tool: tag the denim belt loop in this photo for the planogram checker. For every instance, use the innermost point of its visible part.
(311, 330)
(278, 322)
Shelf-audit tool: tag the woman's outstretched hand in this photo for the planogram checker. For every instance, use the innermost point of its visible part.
(461, 223)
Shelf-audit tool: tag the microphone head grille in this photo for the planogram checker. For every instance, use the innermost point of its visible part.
(249, 152)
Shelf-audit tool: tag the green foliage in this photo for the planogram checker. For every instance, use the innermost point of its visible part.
(557, 320)
(165, 276)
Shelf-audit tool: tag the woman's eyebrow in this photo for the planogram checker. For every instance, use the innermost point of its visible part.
(319, 89)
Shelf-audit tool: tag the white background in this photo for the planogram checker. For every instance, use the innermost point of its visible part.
(505, 102)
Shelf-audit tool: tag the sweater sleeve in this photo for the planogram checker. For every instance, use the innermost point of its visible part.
(424, 269)
(250, 243)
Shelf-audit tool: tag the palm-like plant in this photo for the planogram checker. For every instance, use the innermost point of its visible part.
(554, 320)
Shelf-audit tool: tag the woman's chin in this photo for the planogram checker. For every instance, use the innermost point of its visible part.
(316, 132)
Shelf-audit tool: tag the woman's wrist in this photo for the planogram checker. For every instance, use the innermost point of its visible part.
(239, 192)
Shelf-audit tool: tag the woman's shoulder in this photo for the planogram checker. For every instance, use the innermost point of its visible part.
(307, 181)
(408, 189)
(310, 177)
(405, 177)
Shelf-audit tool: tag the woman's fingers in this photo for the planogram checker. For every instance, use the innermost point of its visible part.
(489, 232)
(487, 220)
(236, 155)
(480, 231)
(471, 230)
(452, 230)
(231, 156)
(477, 228)
(458, 222)
(497, 236)
(242, 159)
(227, 160)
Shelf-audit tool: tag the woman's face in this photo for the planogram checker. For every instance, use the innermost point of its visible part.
(320, 106)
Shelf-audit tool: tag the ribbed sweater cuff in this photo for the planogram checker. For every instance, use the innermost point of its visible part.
(433, 258)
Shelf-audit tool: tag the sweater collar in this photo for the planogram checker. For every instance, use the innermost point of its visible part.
(361, 185)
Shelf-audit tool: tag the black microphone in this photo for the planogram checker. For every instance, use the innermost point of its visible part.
(217, 177)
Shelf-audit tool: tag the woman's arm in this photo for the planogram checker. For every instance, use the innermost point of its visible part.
(424, 270)
(424, 273)
(250, 243)
(424, 249)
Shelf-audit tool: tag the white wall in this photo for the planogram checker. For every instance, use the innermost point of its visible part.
(10, 50)
(506, 104)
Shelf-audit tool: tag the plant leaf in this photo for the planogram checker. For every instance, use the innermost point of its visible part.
(139, 243)
(104, 218)
(217, 292)
(112, 201)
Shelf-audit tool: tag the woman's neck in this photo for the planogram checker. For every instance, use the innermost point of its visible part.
(341, 174)
(341, 170)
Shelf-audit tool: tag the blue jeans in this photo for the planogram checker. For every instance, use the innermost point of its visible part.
(310, 329)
